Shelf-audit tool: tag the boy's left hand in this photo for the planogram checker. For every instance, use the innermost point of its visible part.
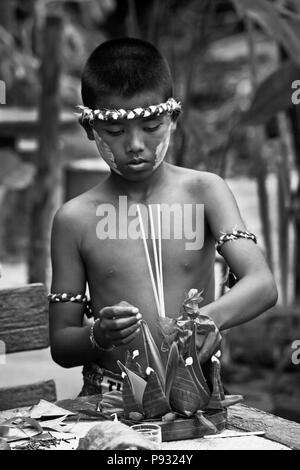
(208, 338)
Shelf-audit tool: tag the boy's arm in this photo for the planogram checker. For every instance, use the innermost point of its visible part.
(69, 340)
(255, 290)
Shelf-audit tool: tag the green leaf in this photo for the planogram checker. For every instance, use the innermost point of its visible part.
(218, 399)
(190, 308)
(22, 422)
(279, 28)
(272, 95)
(209, 427)
(169, 329)
(134, 366)
(155, 403)
(171, 367)
(184, 396)
(111, 399)
(204, 396)
(130, 403)
(230, 400)
(196, 364)
(137, 384)
(152, 353)
(215, 401)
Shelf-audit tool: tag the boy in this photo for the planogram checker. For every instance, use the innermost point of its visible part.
(130, 112)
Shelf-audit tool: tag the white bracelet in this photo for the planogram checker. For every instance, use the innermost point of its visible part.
(94, 342)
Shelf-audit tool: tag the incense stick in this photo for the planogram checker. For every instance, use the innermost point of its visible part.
(158, 280)
(163, 313)
(148, 260)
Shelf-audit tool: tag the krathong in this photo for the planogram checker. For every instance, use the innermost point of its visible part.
(172, 384)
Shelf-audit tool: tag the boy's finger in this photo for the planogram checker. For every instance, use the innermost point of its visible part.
(128, 339)
(209, 346)
(121, 323)
(122, 334)
(118, 311)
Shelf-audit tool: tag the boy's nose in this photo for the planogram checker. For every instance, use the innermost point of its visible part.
(135, 142)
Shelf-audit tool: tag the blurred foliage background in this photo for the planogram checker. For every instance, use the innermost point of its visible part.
(234, 64)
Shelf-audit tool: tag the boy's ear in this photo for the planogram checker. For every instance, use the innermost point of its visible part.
(88, 129)
(173, 126)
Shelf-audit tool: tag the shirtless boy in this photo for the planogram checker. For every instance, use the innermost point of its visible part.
(120, 76)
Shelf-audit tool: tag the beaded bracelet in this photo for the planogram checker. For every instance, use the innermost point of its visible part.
(94, 342)
(234, 235)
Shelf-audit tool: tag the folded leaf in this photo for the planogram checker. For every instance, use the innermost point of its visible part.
(134, 366)
(230, 400)
(129, 401)
(196, 364)
(209, 427)
(22, 422)
(155, 403)
(204, 396)
(114, 411)
(215, 401)
(171, 369)
(152, 353)
(184, 396)
(111, 399)
(169, 329)
(137, 384)
(222, 393)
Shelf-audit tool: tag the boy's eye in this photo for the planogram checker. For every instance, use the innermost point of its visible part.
(114, 133)
(152, 128)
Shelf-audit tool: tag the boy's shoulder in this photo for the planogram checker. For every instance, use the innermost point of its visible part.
(204, 181)
(76, 210)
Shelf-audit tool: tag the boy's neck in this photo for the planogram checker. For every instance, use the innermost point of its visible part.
(139, 190)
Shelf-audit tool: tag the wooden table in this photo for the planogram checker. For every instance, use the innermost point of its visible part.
(280, 433)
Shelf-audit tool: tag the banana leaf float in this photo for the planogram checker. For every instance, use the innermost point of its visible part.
(181, 388)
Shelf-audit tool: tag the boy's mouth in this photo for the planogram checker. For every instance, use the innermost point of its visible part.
(138, 164)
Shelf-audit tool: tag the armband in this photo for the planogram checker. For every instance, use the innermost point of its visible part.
(234, 235)
(79, 298)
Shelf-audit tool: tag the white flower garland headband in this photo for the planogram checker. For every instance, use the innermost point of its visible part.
(171, 106)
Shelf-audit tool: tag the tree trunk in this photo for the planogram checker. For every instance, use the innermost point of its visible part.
(259, 163)
(7, 14)
(294, 116)
(48, 169)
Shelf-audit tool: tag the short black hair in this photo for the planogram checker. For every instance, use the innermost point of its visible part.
(125, 66)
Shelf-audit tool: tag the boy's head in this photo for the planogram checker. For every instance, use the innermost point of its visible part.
(124, 67)
(128, 106)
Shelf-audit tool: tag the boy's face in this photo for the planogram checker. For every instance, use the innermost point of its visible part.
(133, 148)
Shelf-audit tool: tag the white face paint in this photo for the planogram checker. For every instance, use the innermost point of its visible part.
(105, 152)
(162, 148)
(108, 156)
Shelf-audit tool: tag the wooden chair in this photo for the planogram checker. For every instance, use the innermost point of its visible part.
(24, 327)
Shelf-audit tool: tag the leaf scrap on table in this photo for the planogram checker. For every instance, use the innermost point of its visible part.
(45, 408)
(44, 415)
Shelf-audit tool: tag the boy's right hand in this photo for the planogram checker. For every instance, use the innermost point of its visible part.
(119, 324)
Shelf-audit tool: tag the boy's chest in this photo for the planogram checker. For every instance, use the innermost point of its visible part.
(118, 239)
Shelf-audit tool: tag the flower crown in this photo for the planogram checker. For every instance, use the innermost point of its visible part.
(171, 106)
